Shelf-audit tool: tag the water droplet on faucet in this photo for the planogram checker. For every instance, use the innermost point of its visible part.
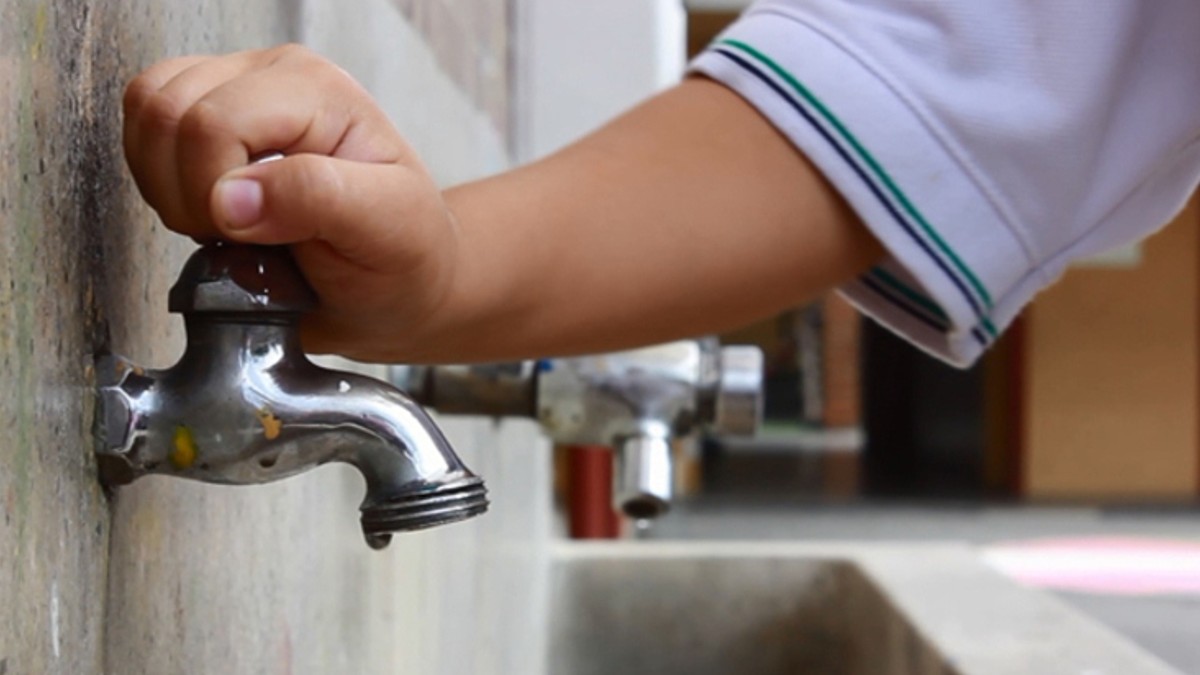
(378, 542)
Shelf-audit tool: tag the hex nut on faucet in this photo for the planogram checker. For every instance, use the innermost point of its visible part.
(244, 405)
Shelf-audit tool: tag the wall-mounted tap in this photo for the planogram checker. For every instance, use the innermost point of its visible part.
(244, 405)
(633, 401)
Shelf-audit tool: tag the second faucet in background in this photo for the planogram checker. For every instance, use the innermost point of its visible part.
(634, 402)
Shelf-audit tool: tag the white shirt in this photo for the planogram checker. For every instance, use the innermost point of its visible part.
(985, 143)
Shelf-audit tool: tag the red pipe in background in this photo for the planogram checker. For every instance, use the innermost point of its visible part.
(590, 510)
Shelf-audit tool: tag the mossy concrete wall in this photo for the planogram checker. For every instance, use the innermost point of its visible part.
(170, 577)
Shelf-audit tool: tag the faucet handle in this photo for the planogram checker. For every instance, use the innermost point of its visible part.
(221, 278)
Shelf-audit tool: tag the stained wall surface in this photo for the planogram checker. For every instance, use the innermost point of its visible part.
(171, 577)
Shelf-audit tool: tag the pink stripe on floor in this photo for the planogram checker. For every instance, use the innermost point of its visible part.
(1104, 565)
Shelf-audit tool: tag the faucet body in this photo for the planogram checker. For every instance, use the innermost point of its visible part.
(244, 405)
(633, 401)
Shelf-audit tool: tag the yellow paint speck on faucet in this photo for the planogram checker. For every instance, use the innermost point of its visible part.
(270, 423)
(183, 455)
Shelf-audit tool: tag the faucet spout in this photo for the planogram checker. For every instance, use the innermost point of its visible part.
(643, 481)
(244, 405)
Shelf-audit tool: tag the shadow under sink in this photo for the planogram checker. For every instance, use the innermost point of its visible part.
(699, 608)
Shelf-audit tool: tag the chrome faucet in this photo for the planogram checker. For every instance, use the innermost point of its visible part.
(244, 405)
(634, 401)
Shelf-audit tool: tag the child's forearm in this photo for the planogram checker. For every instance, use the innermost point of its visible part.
(688, 215)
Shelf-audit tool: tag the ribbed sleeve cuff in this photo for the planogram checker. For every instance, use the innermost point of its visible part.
(956, 275)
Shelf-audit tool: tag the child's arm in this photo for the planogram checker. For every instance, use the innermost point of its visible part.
(689, 214)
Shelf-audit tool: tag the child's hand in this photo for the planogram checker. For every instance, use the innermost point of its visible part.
(687, 215)
(367, 225)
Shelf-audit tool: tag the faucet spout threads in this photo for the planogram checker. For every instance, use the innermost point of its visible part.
(420, 510)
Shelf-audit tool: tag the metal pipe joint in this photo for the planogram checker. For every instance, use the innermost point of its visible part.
(635, 402)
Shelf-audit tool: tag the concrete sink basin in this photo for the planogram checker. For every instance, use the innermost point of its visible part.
(768, 609)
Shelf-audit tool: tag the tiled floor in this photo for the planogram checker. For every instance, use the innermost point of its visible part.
(1167, 624)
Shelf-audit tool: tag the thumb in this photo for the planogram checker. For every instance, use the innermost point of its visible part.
(352, 206)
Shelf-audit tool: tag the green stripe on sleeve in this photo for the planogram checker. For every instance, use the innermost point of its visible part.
(876, 169)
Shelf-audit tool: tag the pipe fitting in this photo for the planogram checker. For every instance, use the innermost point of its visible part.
(633, 401)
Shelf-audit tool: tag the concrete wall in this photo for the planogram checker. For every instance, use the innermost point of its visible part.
(584, 63)
(171, 577)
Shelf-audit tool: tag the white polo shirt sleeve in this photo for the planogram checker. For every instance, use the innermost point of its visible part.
(986, 144)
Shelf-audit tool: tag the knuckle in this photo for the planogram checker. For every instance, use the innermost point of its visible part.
(139, 90)
(321, 71)
(202, 121)
(160, 111)
(142, 88)
(333, 78)
(292, 51)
